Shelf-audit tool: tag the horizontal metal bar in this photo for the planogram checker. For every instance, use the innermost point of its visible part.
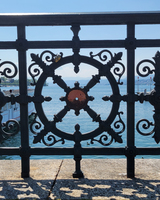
(70, 151)
(66, 44)
(9, 151)
(7, 45)
(63, 151)
(85, 151)
(148, 151)
(102, 43)
(80, 18)
(51, 151)
(49, 44)
(148, 43)
(82, 44)
(103, 151)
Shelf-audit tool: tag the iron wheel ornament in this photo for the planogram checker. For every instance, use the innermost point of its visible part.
(77, 98)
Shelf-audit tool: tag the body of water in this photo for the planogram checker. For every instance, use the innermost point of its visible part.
(142, 111)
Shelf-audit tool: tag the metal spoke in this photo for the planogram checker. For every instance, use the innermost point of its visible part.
(95, 79)
(58, 117)
(92, 114)
(60, 82)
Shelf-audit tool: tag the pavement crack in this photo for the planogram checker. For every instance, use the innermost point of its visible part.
(54, 182)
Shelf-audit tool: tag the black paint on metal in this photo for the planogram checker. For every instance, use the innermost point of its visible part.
(77, 98)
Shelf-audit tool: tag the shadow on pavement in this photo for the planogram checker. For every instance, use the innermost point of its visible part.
(25, 189)
(106, 189)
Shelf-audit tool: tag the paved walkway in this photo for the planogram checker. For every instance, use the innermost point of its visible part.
(104, 179)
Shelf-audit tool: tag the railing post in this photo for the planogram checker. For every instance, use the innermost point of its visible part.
(24, 150)
(130, 149)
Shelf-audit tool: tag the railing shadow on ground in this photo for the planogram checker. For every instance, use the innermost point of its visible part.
(84, 188)
(25, 189)
(106, 189)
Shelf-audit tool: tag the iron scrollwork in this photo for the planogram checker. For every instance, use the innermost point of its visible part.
(145, 124)
(77, 98)
(153, 97)
(119, 124)
(51, 57)
(33, 73)
(38, 61)
(114, 135)
(52, 139)
(118, 71)
(41, 134)
(9, 72)
(103, 57)
(146, 70)
(11, 127)
(48, 140)
(35, 125)
(103, 140)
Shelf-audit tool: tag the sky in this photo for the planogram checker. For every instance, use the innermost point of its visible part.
(58, 33)
(50, 6)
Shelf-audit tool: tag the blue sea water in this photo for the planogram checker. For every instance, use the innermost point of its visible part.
(142, 111)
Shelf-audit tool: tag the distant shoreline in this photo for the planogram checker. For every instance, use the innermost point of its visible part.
(16, 84)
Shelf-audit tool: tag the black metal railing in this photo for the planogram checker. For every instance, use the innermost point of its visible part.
(77, 98)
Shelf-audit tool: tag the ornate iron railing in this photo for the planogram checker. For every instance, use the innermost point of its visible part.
(77, 98)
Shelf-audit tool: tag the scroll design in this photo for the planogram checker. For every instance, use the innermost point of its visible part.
(49, 140)
(77, 98)
(33, 73)
(40, 134)
(53, 139)
(145, 69)
(40, 64)
(51, 57)
(114, 135)
(35, 125)
(119, 122)
(154, 97)
(103, 140)
(144, 124)
(117, 70)
(9, 72)
(9, 128)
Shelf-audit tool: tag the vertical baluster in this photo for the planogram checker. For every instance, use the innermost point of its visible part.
(77, 153)
(21, 47)
(130, 45)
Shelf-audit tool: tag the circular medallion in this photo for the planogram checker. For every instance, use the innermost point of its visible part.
(77, 99)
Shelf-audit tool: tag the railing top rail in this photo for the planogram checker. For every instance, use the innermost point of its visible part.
(56, 19)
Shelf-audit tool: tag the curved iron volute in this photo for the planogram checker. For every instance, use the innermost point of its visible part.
(155, 98)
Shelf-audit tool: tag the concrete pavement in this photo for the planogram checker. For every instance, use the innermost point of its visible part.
(103, 179)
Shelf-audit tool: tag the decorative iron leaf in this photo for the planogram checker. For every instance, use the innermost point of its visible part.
(39, 136)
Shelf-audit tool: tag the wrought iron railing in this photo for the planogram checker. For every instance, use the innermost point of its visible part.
(77, 98)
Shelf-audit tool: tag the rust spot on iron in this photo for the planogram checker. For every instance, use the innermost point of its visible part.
(77, 99)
